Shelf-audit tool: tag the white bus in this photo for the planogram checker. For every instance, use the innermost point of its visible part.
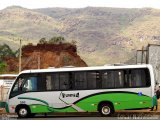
(103, 89)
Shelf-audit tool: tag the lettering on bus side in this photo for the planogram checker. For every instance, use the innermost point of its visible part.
(22, 102)
(70, 95)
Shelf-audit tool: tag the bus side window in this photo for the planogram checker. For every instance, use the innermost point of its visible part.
(55, 79)
(98, 80)
(136, 78)
(107, 79)
(139, 78)
(80, 80)
(49, 84)
(92, 78)
(126, 78)
(119, 78)
(52, 81)
(64, 81)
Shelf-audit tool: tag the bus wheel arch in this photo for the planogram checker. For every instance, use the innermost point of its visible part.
(23, 110)
(106, 108)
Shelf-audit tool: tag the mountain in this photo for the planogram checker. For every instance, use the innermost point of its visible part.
(17, 22)
(103, 35)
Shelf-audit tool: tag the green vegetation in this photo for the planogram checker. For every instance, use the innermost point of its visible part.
(56, 40)
(6, 51)
(42, 41)
(3, 67)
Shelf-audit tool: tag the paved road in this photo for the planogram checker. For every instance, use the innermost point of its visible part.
(118, 116)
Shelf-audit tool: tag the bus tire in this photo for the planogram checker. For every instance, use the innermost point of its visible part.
(23, 112)
(106, 109)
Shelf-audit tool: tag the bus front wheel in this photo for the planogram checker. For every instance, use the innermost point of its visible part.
(23, 112)
(106, 109)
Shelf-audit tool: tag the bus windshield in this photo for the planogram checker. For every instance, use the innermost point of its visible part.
(24, 83)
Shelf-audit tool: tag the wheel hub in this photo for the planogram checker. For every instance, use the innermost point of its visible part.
(105, 110)
(23, 112)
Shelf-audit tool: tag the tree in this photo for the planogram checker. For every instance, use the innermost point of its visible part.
(57, 40)
(5, 50)
(6, 54)
(3, 67)
(74, 42)
(42, 41)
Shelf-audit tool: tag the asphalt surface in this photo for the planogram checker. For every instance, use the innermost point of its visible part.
(117, 116)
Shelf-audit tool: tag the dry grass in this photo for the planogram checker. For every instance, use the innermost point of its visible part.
(99, 30)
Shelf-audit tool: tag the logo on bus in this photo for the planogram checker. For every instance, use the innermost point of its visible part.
(70, 95)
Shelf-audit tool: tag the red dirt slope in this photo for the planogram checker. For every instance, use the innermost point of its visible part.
(50, 55)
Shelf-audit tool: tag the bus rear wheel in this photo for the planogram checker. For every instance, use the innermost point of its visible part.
(23, 112)
(106, 109)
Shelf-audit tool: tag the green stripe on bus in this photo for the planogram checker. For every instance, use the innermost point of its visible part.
(36, 108)
(36, 99)
(120, 101)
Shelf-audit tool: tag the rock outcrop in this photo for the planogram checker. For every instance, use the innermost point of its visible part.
(50, 55)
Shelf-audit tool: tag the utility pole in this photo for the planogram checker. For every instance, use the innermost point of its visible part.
(142, 55)
(39, 60)
(20, 55)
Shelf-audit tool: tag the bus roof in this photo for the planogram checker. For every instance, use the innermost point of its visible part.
(85, 68)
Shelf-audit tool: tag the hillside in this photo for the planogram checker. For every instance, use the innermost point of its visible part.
(103, 35)
(17, 22)
(46, 55)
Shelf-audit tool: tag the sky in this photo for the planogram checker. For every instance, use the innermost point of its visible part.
(31, 4)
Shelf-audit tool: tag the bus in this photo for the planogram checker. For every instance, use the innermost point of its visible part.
(103, 89)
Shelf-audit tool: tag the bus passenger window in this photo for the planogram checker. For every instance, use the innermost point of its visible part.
(64, 81)
(52, 81)
(119, 78)
(138, 78)
(80, 80)
(92, 78)
(56, 81)
(107, 79)
(113, 79)
(49, 82)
